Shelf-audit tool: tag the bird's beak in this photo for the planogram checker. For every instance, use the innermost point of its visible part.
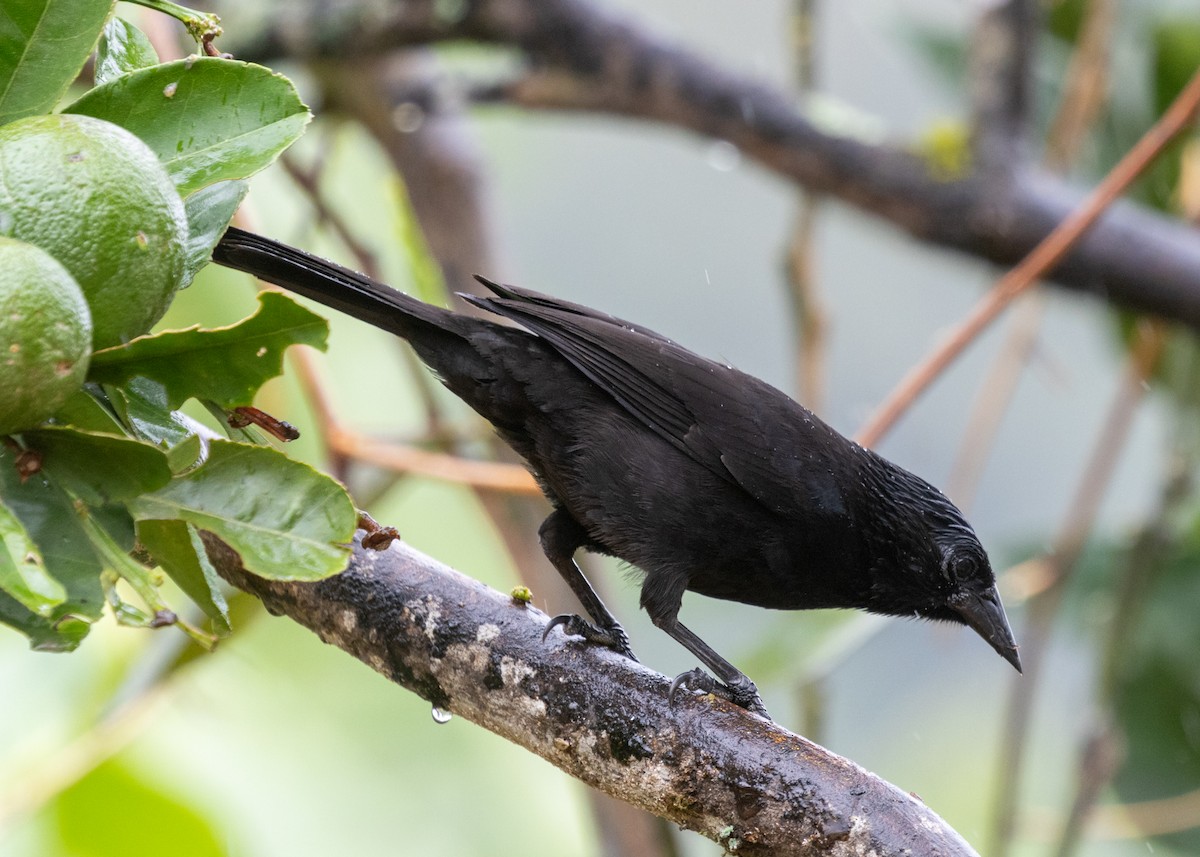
(984, 613)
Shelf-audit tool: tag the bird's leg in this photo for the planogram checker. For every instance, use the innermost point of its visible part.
(561, 536)
(662, 596)
(734, 685)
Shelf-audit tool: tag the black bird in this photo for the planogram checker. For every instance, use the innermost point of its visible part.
(704, 478)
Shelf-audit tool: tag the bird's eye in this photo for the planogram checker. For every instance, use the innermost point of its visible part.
(961, 568)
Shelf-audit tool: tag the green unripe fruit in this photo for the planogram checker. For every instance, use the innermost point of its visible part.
(97, 199)
(45, 335)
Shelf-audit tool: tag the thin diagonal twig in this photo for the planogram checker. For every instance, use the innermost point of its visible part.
(1178, 116)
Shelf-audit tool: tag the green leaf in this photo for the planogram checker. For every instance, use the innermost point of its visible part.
(117, 561)
(208, 119)
(99, 468)
(84, 410)
(144, 581)
(59, 635)
(209, 211)
(187, 454)
(224, 364)
(48, 515)
(23, 571)
(43, 45)
(123, 48)
(177, 548)
(285, 520)
(142, 404)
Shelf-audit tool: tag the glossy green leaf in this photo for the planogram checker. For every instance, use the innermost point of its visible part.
(99, 468)
(187, 454)
(209, 211)
(43, 45)
(48, 515)
(114, 811)
(177, 548)
(208, 119)
(285, 520)
(142, 405)
(23, 572)
(123, 48)
(225, 364)
(85, 410)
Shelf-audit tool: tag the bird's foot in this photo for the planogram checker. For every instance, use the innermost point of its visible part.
(612, 637)
(741, 692)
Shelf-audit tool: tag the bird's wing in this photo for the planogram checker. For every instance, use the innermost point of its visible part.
(736, 426)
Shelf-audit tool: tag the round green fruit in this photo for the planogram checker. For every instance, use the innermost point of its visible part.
(97, 199)
(45, 335)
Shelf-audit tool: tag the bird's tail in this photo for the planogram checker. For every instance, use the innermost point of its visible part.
(334, 286)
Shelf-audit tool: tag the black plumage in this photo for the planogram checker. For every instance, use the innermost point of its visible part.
(704, 478)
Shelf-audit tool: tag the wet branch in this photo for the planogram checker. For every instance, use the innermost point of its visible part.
(705, 765)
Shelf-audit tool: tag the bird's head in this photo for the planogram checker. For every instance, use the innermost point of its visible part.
(967, 595)
(932, 565)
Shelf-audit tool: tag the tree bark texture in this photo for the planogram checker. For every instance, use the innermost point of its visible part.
(705, 764)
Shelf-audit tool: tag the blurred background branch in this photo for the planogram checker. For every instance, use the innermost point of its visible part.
(581, 57)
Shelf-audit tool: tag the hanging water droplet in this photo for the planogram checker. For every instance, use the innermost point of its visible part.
(440, 715)
(407, 117)
(724, 156)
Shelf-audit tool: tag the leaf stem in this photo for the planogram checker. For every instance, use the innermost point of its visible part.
(202, 26)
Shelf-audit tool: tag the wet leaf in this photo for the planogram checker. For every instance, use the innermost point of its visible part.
(123, 48)
(177, 548)
(285, 520)
(226, 364)
(208, 119)
(48, 515)
(209, 211)
(23, 572)
(43, 45)
(99, 468)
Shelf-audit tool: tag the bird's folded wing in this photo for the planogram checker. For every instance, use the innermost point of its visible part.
(736, 426)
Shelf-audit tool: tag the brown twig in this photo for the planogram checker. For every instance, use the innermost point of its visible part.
(1049, 252)
(488, 475)
(1084, 96)
(1086, 89)
(993, 399)
(808, 309)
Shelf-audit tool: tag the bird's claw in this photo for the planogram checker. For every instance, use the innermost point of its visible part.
(742, 693)
(613, 637)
